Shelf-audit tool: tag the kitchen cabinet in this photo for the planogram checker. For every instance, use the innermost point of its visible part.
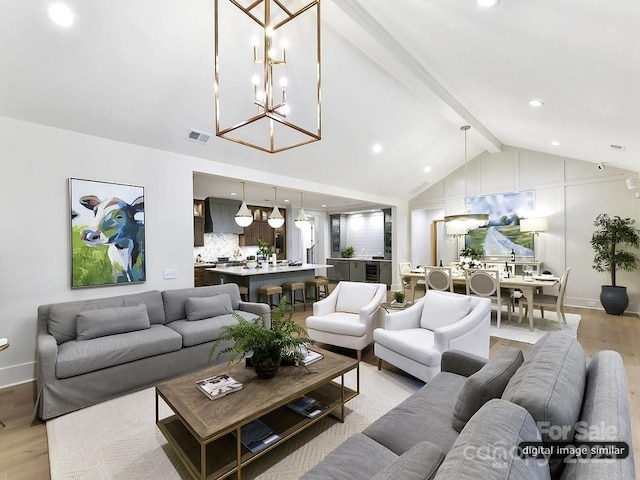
(385, 273)
(338, 233)
(388, 233)
(357, 271)
(199, 276)
(198, 223)
(261, 230)
(340, 270)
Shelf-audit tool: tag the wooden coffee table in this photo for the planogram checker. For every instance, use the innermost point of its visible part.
(200, 429)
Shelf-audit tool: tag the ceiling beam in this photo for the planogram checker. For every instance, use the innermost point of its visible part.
(385, 40)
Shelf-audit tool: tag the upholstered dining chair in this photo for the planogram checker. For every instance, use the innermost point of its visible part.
(550, 302)
(486, 283)
(403, 268)
(438, 278)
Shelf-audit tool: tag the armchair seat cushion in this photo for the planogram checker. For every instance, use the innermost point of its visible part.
(415, 343)
(340, 323)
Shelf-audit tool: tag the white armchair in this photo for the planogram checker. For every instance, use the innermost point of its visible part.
(414, 339)
(348, 316)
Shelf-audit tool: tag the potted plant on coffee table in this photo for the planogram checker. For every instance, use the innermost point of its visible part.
(611, 242)
(267, 346)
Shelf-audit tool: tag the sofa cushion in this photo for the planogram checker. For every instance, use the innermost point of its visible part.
(411, 343)
(62, 317)
(423, 417)
(487, 383)
(356, 458)
(340, 323)
(76, 357)
(175, 300)
(550, 385)
(606, 408)
(206, 330)
(109, 321)
(354, 296)
(206, 307)
(419, 463)
(441, 310)
(486, 446)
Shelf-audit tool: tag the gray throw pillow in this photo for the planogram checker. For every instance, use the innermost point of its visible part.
(487, 383)
(421, 462)
(486, 447)
(198, 308)
(111, 321)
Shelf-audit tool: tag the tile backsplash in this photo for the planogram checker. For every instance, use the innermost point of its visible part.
(222, 245)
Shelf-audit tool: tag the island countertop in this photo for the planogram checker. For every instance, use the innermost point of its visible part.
(249, 272)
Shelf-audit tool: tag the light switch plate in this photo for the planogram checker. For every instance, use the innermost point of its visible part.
(170, 274)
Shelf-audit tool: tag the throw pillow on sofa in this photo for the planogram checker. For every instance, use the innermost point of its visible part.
(111, 321)
(441, 309)
(487, 446)
(199, 308)
(487, 383)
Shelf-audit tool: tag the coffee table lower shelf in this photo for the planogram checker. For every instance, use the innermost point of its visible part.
(224, 455)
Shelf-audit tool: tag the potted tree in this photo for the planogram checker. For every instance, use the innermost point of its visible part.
(267, 346)
(609, 241)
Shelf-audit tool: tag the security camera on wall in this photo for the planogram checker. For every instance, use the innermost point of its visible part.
(601, 166)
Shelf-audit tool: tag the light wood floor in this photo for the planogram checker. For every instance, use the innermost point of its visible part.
(23, 443)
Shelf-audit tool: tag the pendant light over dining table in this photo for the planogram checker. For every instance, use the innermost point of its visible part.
(275, 220)
(267, 72)
(461, 223)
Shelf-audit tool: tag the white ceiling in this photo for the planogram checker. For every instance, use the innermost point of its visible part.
(405, 73)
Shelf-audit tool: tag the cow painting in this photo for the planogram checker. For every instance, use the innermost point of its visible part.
(115, 224)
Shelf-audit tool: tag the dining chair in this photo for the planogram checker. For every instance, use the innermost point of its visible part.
(438, 278)
(403, 268)
(486, 283)
(551, 302)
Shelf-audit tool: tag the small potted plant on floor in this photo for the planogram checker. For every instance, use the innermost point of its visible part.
(267, 346)
(611, 242)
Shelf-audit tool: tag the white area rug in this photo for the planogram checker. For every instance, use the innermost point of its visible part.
(541, 326)
(118, 439)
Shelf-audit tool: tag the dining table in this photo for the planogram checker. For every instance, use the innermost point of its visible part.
(527, 284)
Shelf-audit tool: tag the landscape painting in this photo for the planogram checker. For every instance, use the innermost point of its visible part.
(107, 233)
(502, 234)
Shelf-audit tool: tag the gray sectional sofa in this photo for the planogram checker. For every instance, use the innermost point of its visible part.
(469, 420)
(89, 351)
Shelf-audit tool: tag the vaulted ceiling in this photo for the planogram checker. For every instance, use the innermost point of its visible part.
(405, 74)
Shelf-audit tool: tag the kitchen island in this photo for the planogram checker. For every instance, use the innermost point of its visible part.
(253, 278)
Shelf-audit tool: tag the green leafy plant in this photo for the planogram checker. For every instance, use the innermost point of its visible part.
(347, 252)
(609, 240)
(474, 253)
(252, 336)
(399, 297)
(264, 249)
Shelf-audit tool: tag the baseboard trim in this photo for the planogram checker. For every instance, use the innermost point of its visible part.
(17, 374)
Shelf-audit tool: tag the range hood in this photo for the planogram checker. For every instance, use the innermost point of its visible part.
(219, 216)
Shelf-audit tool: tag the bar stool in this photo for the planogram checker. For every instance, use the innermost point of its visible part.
(292, 288)
(321, 286)
(244, 292)
(268, 292)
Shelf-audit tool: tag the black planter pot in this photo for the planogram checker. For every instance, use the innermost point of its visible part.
(614, 299)
(266, 367)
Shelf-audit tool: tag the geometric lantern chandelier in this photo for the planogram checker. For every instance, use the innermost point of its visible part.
(461, 223)
(267, 72)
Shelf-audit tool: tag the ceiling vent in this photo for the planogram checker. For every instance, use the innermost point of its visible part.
(617, 148)
(199, 137)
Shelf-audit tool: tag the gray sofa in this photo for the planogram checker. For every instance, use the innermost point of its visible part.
(89, 351)
(469, 420)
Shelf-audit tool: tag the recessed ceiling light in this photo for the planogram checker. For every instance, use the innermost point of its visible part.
(427, 169)
(60, 14)
(377, 148)
(324, 205)
(556, 143)
(286, 201)
(534, 102)
(488, 3)
(233, 194)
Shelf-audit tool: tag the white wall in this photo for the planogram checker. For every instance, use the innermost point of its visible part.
(571, 193)
(37, 162)
(365, 232)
